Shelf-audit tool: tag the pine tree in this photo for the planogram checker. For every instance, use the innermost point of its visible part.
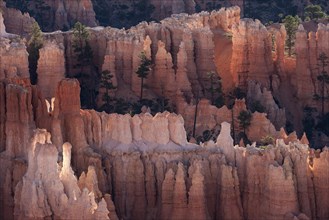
(81, 46)
(106, 82)
(84, 57)
(291, 23)
(244, 120)
(33, 46)
(215, 89)
(323, 79)
(314, 12)
(143, 70)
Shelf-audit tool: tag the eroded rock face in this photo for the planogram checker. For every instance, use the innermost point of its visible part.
(51, 68)
(2, 25)
(251, 53)
(264, 97)
(45, 192)
(150, 168)
(145, 161)
(13, 59)
(309, 46)
(66, 13)
(16, 22)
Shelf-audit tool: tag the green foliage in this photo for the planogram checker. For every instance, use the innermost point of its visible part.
(36, 8)
(215, 90)
(123, 13)
(323, 81)
(81, 46)
(267, 140)
(314, 12)
(236, 93)
(107, 84)
(122, 106)
(33, 46)
(263, 147)
(256, 106)
(207, 135)
(291, 23)
(323, 124)
(143, 70)
(309, 121)
(87, 75)
(244, 119)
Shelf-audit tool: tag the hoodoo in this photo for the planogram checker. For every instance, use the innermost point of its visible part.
(178, 110)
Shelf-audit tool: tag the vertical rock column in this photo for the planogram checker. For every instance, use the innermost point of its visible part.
(51, 68)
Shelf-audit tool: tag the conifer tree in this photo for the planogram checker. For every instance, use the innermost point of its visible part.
(106, 82)
(215, 89)
(291, 24)
(33, 46)
(244, 120)
(84, 58)
(314, 12)
(143, 70)
(323, 79)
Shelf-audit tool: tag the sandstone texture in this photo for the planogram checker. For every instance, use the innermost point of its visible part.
(149, 168)
(51, 68)
(60, 161)
(13, 59)
(309, 45)
(66, 13)
(16, 22)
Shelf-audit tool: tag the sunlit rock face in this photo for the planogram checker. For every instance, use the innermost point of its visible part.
(51, 68)
(45, 191)
(2, 25)
(59, 161)
(15, 21)
(150, 170)
(13, 58)
(309, 46)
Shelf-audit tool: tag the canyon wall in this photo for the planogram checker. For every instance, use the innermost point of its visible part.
(251, 57)
(182, 50)
(67, 13)
(153, 172)
(51, 68)
(309, 46)
(13, 58)
(2, 25)
(16, 22)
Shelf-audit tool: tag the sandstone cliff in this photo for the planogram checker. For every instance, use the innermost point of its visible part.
(16, 22)
(308, 48)
(149, 168)
(145, 162)
(51, 15)
(51, 68)
(44, 192)
(13, 58)
(67, 13)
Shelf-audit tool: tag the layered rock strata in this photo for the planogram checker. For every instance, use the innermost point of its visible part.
(16, 22)
(264, 97)
(67, 13)
(151, 170)
(251, 56)
(51, 68)
(309, 46)
(13, 58)
(44, 191)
